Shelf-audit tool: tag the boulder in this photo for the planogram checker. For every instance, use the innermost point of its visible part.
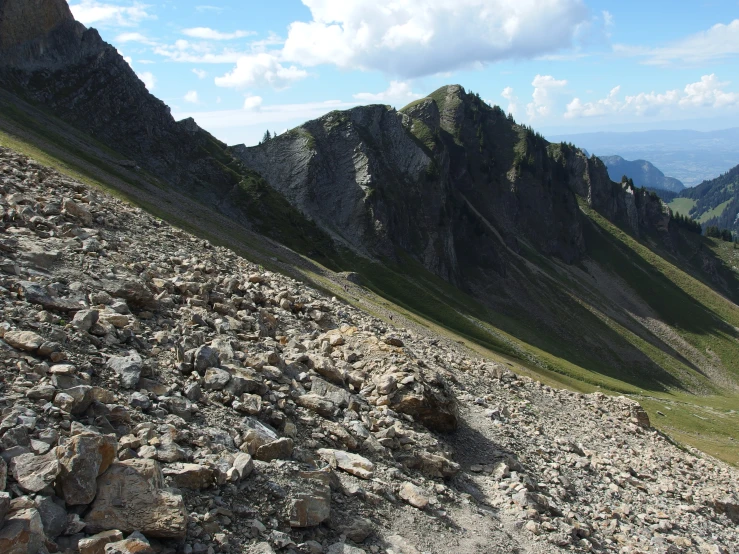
(77, 211)
(23, 533)
(53, 516)
(431, 403)
(728, 505)
(83, 459)
(35, 473)
(4, 506)
(244, 464)
(130, 498)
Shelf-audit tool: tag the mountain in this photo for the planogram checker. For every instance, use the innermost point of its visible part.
(642, 172)
(446, 213)
(689, 156)
(714, 202)
(203, 403)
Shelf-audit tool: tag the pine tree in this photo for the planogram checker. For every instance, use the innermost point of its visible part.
(267, 136)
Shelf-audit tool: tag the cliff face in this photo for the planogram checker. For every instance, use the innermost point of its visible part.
(49, 59)
(450, 180)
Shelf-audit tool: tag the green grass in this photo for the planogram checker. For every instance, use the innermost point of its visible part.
(682, 205)
(715, 212)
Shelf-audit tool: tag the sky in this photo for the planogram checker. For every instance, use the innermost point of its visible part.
(240, 67)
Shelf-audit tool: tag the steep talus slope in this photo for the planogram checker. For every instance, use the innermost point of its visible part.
(449, 211)
(160, 394)
(643, 173)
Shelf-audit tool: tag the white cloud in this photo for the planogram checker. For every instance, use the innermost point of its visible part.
(197, 52)
(545, 89)
(200, 73)
(509, 95)
(260, 70)
(252, 103)
(127, 59)
(192, 97)
(124, 38)
(149, 80)
(409, 38)
(207, 33)
(577, 108)
(707, 93)
(206, 8)
(398, 92)
(718, 42)
(93, 12)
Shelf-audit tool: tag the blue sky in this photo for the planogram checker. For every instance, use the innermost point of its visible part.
(241, 67)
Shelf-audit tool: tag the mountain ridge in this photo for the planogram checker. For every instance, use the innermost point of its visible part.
(643, 173)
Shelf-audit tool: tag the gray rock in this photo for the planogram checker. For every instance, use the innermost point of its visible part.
(128, 367)
(82, 461)
(53, 516)
(35, 473)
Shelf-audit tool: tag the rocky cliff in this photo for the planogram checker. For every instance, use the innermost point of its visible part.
(448, 179)
(49, 59)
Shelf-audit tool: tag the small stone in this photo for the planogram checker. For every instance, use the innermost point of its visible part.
(85, 319)
(244, 464)
(128, 367)
(281, 449)
(190, 476)
(216, 379)
(24, 340)
(353, 464)
(413, 495)
(96, 543)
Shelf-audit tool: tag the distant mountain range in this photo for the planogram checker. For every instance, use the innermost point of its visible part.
(642, 172)
(689, 156)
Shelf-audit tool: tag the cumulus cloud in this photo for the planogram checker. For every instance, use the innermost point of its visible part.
(546, 88)
(707, 93)
(410, 39)
(93, 12)
(192, 97)
(398, 92)
(718, 42)
(197, 52)
(260, 70)
(252, 103)
(149, 80)
(207, 33)
(510, 95)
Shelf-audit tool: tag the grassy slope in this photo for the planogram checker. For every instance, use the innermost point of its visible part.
(706, 422)
(682, 205)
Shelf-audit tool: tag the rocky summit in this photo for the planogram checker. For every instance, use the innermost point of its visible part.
(160, 394)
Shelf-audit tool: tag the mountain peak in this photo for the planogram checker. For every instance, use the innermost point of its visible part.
(22, 21)
(36, 33)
